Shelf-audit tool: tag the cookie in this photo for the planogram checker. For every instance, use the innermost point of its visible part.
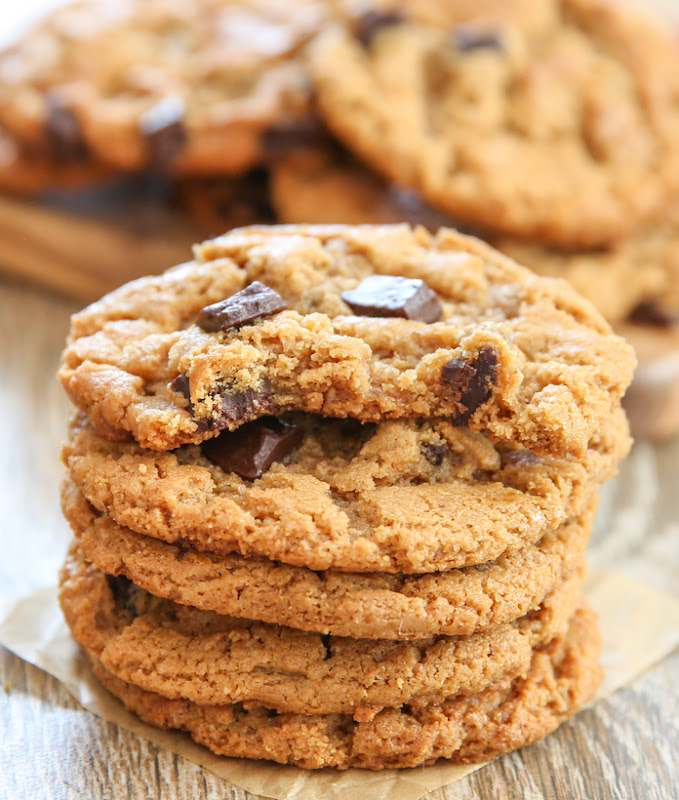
(520, 357)
(180, 652)
(325, 185)
(188, 88)
(360, 605)
(27, 173)
(636, 281)
(408, 496)
(563, 131)
(216, 205)
(562, 677)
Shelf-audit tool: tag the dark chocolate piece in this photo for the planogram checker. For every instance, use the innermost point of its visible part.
(434, 453)
(391, 296)
(62, 128)
(370, 23)
(256, 300)
(163, 127)
(122, 590)
(467, 38)
(651, 312)
(470, 382)
(251, 449)
(181, 385)
(242, 406)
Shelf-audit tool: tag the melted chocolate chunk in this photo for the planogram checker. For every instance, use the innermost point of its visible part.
(470, 382)
(370, 23)
(256, 300)
(434, 453)
(122, 590)
(467, 38)
(391, 296)
(62, 128)
(651, 312)
(163, 127)
(251, 449)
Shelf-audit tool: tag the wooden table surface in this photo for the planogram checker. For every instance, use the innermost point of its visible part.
(624, 747)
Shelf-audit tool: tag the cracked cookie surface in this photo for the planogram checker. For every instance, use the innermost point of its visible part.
(409, 496)
(181, 652)
(521, 357)
(360, 605)
(562, 677)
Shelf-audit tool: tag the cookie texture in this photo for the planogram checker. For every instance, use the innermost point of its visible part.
(402, 496)
(515, 355)
(635, 281)
(563, 675)
(180, 652)
(360, 605)
(585, 99)
(189, 88)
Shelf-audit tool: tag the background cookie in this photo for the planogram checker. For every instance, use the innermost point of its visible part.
(189, 88)
(586, 103)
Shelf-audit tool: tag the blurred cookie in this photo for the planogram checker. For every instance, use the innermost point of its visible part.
(184, 87)
(564, 131)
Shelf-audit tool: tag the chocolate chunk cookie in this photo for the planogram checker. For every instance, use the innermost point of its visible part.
(523, 358)
(563, 131)
(563, 675)
(410, 496)
(361, 605)
(180, 652)
(187, 88)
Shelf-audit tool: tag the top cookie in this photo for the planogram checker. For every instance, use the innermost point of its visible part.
(563, 130)
(502, 350)
(187, 87)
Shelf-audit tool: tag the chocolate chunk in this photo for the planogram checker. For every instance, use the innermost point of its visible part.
(370, 23)
(469, 37)
(651, 312)
(434, 452)
(62, 128)
(181, 385)
(295, 134)
(242, 406)
(256, 300)
(391, 296)
(122, 590)
(251, 449)
(470, 382)
(163, 127)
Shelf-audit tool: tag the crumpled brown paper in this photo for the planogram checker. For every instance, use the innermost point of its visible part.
(635, 545)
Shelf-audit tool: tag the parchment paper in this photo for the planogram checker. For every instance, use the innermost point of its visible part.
(634, 555)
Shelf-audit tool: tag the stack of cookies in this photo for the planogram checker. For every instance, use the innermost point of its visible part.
(331, 489)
